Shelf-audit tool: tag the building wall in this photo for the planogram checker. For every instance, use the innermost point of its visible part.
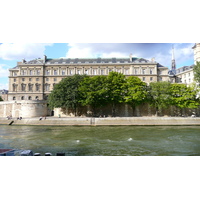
(186, 74)
(35, 79)
(196, 49)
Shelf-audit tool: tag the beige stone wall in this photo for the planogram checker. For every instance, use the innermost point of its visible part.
(23, 109)
(28, 109)
(124, 110)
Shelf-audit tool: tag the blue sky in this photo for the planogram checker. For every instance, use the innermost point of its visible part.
(11, 53)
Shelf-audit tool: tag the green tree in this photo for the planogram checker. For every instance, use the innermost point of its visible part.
(184, 96)
(115, 88)
(136, 91)
(66, 94)
(1, 98)
(159, 95)
(93, 92)
(196, 70)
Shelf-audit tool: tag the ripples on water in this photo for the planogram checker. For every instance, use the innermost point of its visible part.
(103, 140)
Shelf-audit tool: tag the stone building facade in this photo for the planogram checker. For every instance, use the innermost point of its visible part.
(34, 80)
(185, 74)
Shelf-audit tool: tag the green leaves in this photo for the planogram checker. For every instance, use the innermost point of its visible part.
(99, 91)
(136, 91)
(65, 94)
(184, 96)
(196, 70)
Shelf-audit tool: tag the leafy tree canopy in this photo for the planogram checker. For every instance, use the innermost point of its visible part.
(66, 94)
(184, 96)
(159, 94)
(136, 91)
(196, 70)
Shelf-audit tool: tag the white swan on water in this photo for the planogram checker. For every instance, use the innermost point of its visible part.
(77, 141)
(130, 139)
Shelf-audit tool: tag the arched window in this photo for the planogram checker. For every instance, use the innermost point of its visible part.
(22, 98)
(14, 98)
(29, 98)
(37, 98)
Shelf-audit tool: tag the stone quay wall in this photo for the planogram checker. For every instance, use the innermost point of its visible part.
(108, 121)
(37, 108)
(30, 108)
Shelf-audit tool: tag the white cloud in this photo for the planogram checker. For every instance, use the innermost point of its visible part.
(160, 51)
(17, 51)
(4, 70)
(93, 50)
(3, 86)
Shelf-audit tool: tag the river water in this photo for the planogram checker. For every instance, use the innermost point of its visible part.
(104, 140)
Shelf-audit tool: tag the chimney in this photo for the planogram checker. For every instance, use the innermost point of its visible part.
(23, 60)
(130, 56)
(153, 60)
(45, 58)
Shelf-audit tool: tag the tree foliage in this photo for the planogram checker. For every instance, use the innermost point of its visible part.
(196, 70)
(99, 91)
(136, 91)
(184, 96)
(1, 98)
(159, 95)
(115, 86)
(93, 92)
(66, 94)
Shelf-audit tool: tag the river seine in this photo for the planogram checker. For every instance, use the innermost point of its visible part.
(104, 140)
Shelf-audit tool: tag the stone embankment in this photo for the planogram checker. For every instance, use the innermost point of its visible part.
(108, 121)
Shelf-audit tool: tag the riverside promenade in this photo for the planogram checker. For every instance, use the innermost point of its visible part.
(108, 121)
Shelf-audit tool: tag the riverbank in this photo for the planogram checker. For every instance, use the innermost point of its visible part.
(108, 121)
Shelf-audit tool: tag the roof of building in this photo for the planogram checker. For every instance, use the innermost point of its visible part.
(88, 60)
(184, 68)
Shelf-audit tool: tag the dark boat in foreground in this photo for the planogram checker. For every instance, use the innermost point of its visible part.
(16, 152)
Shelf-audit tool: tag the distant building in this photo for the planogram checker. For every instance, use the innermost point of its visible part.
(185, 74)
(4, 94)
(196, 48)
(34, 80)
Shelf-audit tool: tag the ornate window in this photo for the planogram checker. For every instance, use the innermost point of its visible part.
(38, 72)
(23, 87)
(94, 72)
(47, 72)
(37, 87)
(29, 98)
(47, 87)
(14, 87)
(30, 87)
(63, 72)
(126, 71)
(22, 98)
(55, 72)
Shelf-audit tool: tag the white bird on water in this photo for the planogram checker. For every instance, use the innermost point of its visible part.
(130, 139)
(77, 141)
